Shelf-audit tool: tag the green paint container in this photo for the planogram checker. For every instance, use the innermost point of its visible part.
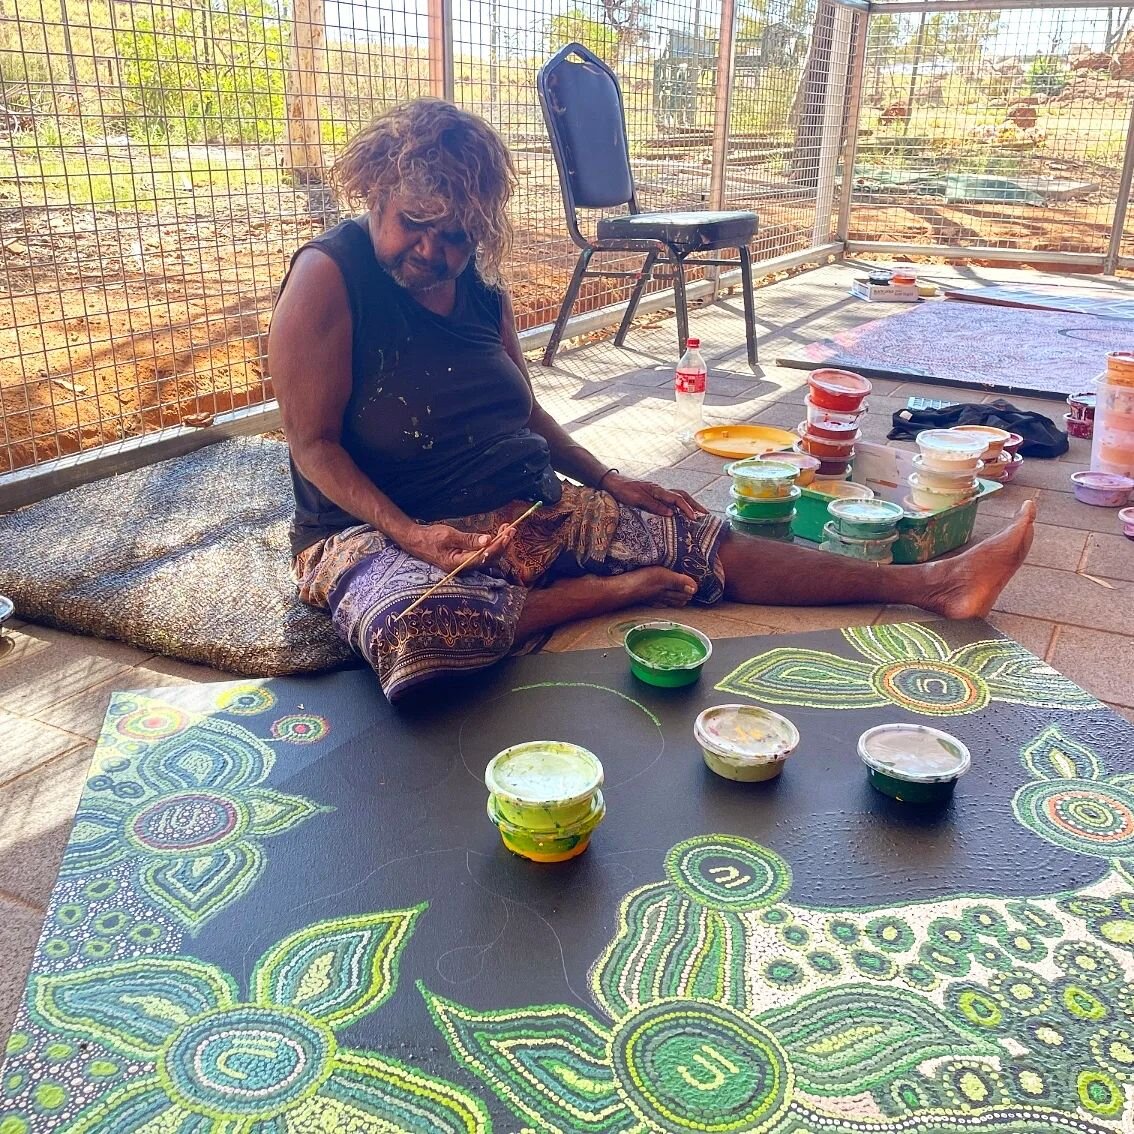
(556, 845)
(544, 785)
(745, 742)
(666, 654)
(774, 508)
(762, 529)
(865, 519)
(913, 763)
(869, 550)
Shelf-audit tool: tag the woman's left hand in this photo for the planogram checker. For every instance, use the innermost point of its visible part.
(652, 497)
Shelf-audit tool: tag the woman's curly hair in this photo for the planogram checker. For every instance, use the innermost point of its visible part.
(452, 164)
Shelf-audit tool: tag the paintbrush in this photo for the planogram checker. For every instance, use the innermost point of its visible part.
(467, 562)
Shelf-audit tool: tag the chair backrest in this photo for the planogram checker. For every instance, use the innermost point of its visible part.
(582, 108)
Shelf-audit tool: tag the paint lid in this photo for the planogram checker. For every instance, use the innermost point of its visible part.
(877, 513)
(800, 461)
(913, 752)
(763, 474)
(1087, 400)
(951, 444)
(745, 734)
(1120, 367)
(1103, 481)
(845, 383)
(676, 628)
(937, 473)
(543, 772)
(843, 489)
(7, 608)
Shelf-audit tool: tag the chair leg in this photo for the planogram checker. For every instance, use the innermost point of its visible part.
(680, 303)
(749, 304)
(567, 304)
(639, 287)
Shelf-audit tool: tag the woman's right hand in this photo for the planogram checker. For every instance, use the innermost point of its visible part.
(447, 548)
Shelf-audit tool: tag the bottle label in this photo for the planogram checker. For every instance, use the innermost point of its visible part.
(689, 381)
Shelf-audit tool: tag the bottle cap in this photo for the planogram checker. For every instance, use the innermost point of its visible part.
(692, 344)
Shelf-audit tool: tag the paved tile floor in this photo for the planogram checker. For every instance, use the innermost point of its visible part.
(1072, 603)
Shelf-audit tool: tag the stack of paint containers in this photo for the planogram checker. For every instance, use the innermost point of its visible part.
(1080, 418)
(836, 399)
(945, 469)
(544, 798)
(1112, 448)
(862, 529)
(1001, 460)
(763, 498)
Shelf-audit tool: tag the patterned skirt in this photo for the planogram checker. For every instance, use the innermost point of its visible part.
(366, 580)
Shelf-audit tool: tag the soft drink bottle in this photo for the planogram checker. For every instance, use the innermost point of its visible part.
(689, 384)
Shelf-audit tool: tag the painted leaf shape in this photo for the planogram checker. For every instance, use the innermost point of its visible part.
(670, 947)
(1017, 676)
(273, 812)
(195, 888)
(96, 838)
(814, 678)
(902, 641)
(338, 970)
(548, 1064)
(131, 1109)
(855, 1037)
(209, 754)
(1054, 756)
(368, 1092)
(131, 1007)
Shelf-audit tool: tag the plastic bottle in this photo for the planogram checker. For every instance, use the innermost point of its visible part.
(1112, 449)
(689, 384)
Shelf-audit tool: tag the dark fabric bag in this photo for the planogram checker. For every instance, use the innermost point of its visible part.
(1042, 437)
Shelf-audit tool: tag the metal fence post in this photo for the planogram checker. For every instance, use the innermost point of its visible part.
(850, 133)
(440, 22)
(831, 128)
(722, 107)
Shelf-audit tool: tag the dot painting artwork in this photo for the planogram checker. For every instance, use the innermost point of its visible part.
(283, 910)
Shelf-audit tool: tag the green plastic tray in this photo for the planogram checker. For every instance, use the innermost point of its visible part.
(920, 538)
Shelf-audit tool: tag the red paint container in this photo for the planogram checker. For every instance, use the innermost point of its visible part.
(1013, 444)
(833, 470)
(830, 424)
(826, 449)
(841, 390)
(1083, 428)
(1082, 406)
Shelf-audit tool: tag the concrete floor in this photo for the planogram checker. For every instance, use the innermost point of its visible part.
(1071, 604)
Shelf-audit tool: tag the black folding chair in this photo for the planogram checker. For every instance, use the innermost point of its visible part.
(586, 121)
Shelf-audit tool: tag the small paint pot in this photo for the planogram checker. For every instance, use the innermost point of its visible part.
(543, 785)
(870, 550)
(879, 279)
(865, 519)
(993, 438)
(842, 490)
(832, 470)
(903, 276)
(935, 499)
(1011, 468)
(927, 290)
(778, 529)
(826, 449)
(779, 508)
(1126, 519)
(819, 420)
(834, 389)
(1103, 490)
(913, 763)
(950, 450)
(666, 654)
(762, 480)
(1013, 444)
(1082, 406)
(1081, 427)
(805, 464)
(945, 480)
(557, 845)
(7, 609)
(997, 467)
(745, 742)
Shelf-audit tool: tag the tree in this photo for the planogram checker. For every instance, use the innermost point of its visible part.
(958, 37)
(622, 25)
(1117, 21)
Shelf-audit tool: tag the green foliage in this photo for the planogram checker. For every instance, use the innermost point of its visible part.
(214, 73)
(1047, 75)
(575, 26)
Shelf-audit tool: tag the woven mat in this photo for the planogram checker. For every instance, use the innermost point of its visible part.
(187, 557)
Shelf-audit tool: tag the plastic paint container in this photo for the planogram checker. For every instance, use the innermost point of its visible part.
(745, 742)
(1120, 367)
(870, 550)
(1082, 406)
(1013, 444)
(934, 499)
(1126, 519)
(993, 438)
(865, 519)
(826, 449)
(950, 450)
(777, 529)
(666, 654)
(1083, 428)
(1011, 468)
(779, 508)
(833, 470)
(842, 490)
(945, 480)
(830, 423)
(996, 468)
(838, 389)
(543, 785)
(913, 763)
(1103, 490)
(556, 845)
(805, 464)
(903, 276)
(762, 480)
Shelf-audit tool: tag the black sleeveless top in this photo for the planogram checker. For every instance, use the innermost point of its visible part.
(438, 411)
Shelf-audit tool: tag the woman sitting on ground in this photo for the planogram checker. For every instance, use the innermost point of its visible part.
(416, 437)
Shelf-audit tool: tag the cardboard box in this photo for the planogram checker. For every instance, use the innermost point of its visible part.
(884, 293)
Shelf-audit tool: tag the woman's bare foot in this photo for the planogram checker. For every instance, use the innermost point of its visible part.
(652, 585)
(967, 585)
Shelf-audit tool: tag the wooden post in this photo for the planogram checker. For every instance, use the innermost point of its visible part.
(440, 23)
(722, 109)
(304, 151)
(831, 124)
